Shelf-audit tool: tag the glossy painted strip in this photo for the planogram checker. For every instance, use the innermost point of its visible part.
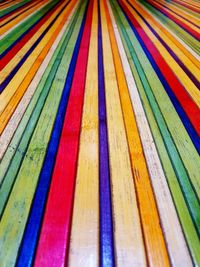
(14, 121)
(16, 46)
(11, 26)
(173, 43)
(185, 120)
(156, 173)
(17, 67)
(186, 37)
(23, 59)
(41, 136)
(13, 8)
(188, 28)
(17, 12)
(106, 220)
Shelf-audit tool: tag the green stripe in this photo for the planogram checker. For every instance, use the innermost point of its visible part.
(161, 140)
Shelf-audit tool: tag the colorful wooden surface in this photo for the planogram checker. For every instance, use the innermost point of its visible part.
(99, 133)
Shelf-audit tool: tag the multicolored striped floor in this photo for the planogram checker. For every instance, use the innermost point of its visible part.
(99, 133)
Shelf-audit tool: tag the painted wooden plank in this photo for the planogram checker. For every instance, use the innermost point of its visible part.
(13, 7)
(169, 37)
(181, 135)
(13, 15)
(181, 13)
(107, 249)
(12, 63)
(84, 239)
(184, 56)
(182, 173)
(11, 28)
(192, 30)
(179, 16)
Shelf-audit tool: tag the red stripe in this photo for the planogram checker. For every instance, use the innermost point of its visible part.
(179, 91)
(14, 50)
(54, 239)
(179, 22)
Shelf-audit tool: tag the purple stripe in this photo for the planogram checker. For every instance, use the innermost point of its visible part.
(106, 228)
